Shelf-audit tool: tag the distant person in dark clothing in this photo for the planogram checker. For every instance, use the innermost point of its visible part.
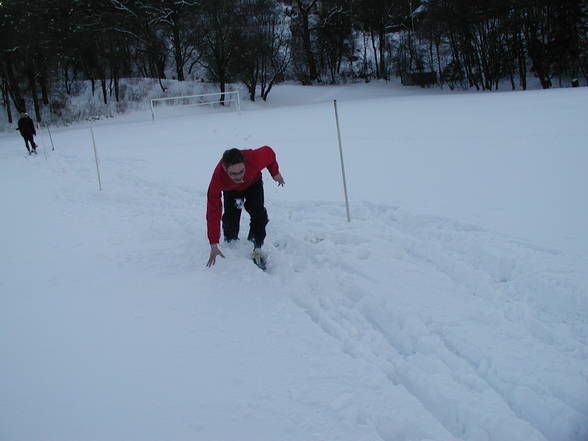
(27, 131)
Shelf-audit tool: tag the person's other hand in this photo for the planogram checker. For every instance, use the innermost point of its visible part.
(214, 252)
(279, 179)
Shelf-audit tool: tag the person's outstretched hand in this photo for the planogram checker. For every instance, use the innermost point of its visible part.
(279, 179)
(214, 252)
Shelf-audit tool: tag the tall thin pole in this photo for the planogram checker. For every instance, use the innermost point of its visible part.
(51, 138)
(342, 163)
(96, 158)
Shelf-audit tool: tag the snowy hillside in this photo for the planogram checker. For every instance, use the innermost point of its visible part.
(454, 306)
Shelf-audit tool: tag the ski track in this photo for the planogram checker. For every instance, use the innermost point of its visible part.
(419, 347)
(482, 277)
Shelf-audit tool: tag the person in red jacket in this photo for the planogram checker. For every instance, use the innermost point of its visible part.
(237, 177)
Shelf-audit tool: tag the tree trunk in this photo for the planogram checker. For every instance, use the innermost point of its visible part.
(431, 56)
(6, 100)
(265, 91)
(163, 89)
(178, 52)
(33, 86)
(439, 68)
(66, 81)
(376, 62)
(222, 86)
(103, 85)
(44, 91)
(311, 64)
(523, 69)
(116, 87)
(312, 72)
(252, 86)
(382, 48)
(512, 81)
(14, 88)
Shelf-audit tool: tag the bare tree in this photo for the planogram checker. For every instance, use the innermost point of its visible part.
(221, 22)
(264, 52)
(304, 12)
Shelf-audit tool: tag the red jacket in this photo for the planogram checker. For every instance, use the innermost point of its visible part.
(255, 161)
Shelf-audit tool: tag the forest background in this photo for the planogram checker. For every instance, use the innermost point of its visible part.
(50, 48)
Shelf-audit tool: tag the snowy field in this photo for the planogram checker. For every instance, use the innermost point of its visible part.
(454, 306)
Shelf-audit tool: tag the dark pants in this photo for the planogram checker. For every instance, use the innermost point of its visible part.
(27, 139)
(252, 200)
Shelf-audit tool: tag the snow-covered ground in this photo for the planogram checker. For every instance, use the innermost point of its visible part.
(454, 306)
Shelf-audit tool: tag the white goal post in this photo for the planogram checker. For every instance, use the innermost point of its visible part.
(206, 99)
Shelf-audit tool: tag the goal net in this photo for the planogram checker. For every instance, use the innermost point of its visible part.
(205, 101)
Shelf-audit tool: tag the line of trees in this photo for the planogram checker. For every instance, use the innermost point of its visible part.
(492, 40)
(49, 44)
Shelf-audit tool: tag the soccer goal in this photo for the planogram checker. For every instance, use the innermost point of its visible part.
(212, 100)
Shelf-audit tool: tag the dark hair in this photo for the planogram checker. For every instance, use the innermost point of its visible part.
(232, 157)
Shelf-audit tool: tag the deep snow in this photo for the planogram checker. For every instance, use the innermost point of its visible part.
(453, 306)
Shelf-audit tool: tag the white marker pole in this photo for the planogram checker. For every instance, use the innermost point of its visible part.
(51, 138)
(342, 164)
(96, 158)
